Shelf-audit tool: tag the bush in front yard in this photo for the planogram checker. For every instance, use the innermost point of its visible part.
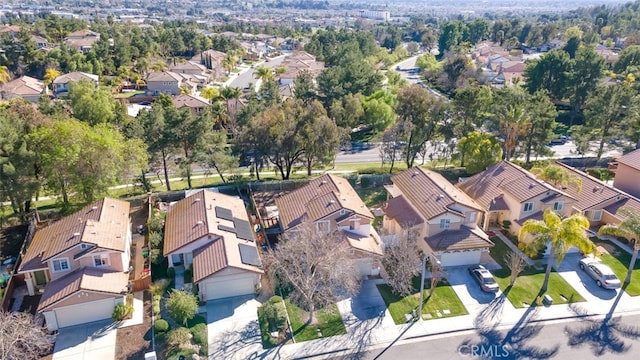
(199, 332)
(158, 287)
(161, 326)
(188, 276)
(178, 337)
(171, 273)
(182, 306)
(275, 299)
(121, 311)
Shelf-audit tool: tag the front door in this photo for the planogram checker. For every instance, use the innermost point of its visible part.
(41, 278)
(177, 259)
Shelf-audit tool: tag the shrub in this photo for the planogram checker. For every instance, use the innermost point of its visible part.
(275, 314)
(155, 223)
(199, 332)
(178, 337)
(275, 299)
(156, 308)
(182, 306)
(161, 326)
(121, 311)
(155, 239)
(171, 273)
(188, 276)
(506, 224)
(158, 287)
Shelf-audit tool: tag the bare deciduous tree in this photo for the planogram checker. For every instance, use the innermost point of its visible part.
(402, 263)
(516, 264)
(437, 273)
(316, 265)
(21, 338)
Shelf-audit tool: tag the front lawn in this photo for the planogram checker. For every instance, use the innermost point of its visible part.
(618, 260)
(527, 286)
(372, 196)
(443, 303)
(329, 322)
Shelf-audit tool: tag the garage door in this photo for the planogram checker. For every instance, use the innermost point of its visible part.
(461, 258)
(236, 287)
(85, 313)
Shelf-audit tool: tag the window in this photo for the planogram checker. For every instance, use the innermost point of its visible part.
(100, 260)
(354, 224)
(444, 223)
(596, 215)
(557, 206)
(84, 246)
(343, 212)
(528, 207)
(323, 226)
(60, 265)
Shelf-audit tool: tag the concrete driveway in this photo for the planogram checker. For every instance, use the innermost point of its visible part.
(234, 331)
(93, 341)
(570, 270)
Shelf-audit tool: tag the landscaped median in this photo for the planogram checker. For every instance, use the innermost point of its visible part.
(273, 315)
(525, 292)
(618, 260)
(442, 303)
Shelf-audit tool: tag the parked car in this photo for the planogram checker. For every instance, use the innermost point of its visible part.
(601, 273)
(484, 278)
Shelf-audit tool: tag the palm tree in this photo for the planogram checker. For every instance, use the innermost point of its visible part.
(5, 75)
(557, 233)
(263, 73)
(557, 176)
(628, 228)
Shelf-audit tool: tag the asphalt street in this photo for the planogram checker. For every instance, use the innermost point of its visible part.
(587, 338)
(245, 78)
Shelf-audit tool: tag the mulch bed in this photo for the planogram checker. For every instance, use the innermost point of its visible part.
(134, 341)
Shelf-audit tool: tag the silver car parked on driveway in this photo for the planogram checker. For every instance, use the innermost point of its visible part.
(601, 273)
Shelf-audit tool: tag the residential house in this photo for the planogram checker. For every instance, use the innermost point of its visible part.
(212, 60)
(61, 83)
(195, 70)
(212, 233)
(513, 72)
(25, 87)
(41, 42)
(194, 103)
(444, 218)
(298, 62)
(11, 30)
(598, 201)
(627, 170)
(169, 82)
(80, 263)
(509, 194)
(81, 40)
(332, 204)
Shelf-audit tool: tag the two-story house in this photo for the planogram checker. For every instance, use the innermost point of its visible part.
(80, 264)
(196, 70)
(333, 205)
(212, 233)
(24, 87)
(62, 83)
(169, 82)
(507, 192)
(627, 169)
(81, 40)
(443, 217)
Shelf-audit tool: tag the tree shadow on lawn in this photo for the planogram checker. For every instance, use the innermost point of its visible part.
(602, 336)
(513, 343)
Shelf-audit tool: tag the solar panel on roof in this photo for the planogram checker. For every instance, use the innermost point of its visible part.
(226, 228)
(249, 255)
(243, 229)
(224, 213)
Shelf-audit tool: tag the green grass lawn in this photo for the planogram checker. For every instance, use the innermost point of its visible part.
(329, 322)
(443, 298)
(128, 94)
(499, 251)
(372, 196)
(528, 286)
(268, 341)
(619, 261)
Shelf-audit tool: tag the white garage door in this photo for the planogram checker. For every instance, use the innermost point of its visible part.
(85, 313)
(223, 289)
(461, 258)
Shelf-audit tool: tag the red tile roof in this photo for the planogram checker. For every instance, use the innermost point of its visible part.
(631, 159)
(463, 239)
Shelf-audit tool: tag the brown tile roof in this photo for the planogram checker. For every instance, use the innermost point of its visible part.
(631, 159)
(82, 34)
(488, 187)
(75, 76)
(463, 239)
(370, 244)
(10, 28)
(319, 198)
(593, 191)
(188, 65)
(535, 216)
(104, 223)
(202, 215)
(164, 76)
(430, 193)
(190, 101)
(90, 279)
(399, 209)
(630, 202)
(23, 85)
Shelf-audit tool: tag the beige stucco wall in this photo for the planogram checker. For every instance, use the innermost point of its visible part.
(627, 180)
(172, 88)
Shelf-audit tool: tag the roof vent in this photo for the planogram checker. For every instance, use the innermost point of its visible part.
(113, 205)
(323, 182)
(196, 200)
(76, 234)
(94, 208)
(331, 202)
(415, 173)
(199, 222)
